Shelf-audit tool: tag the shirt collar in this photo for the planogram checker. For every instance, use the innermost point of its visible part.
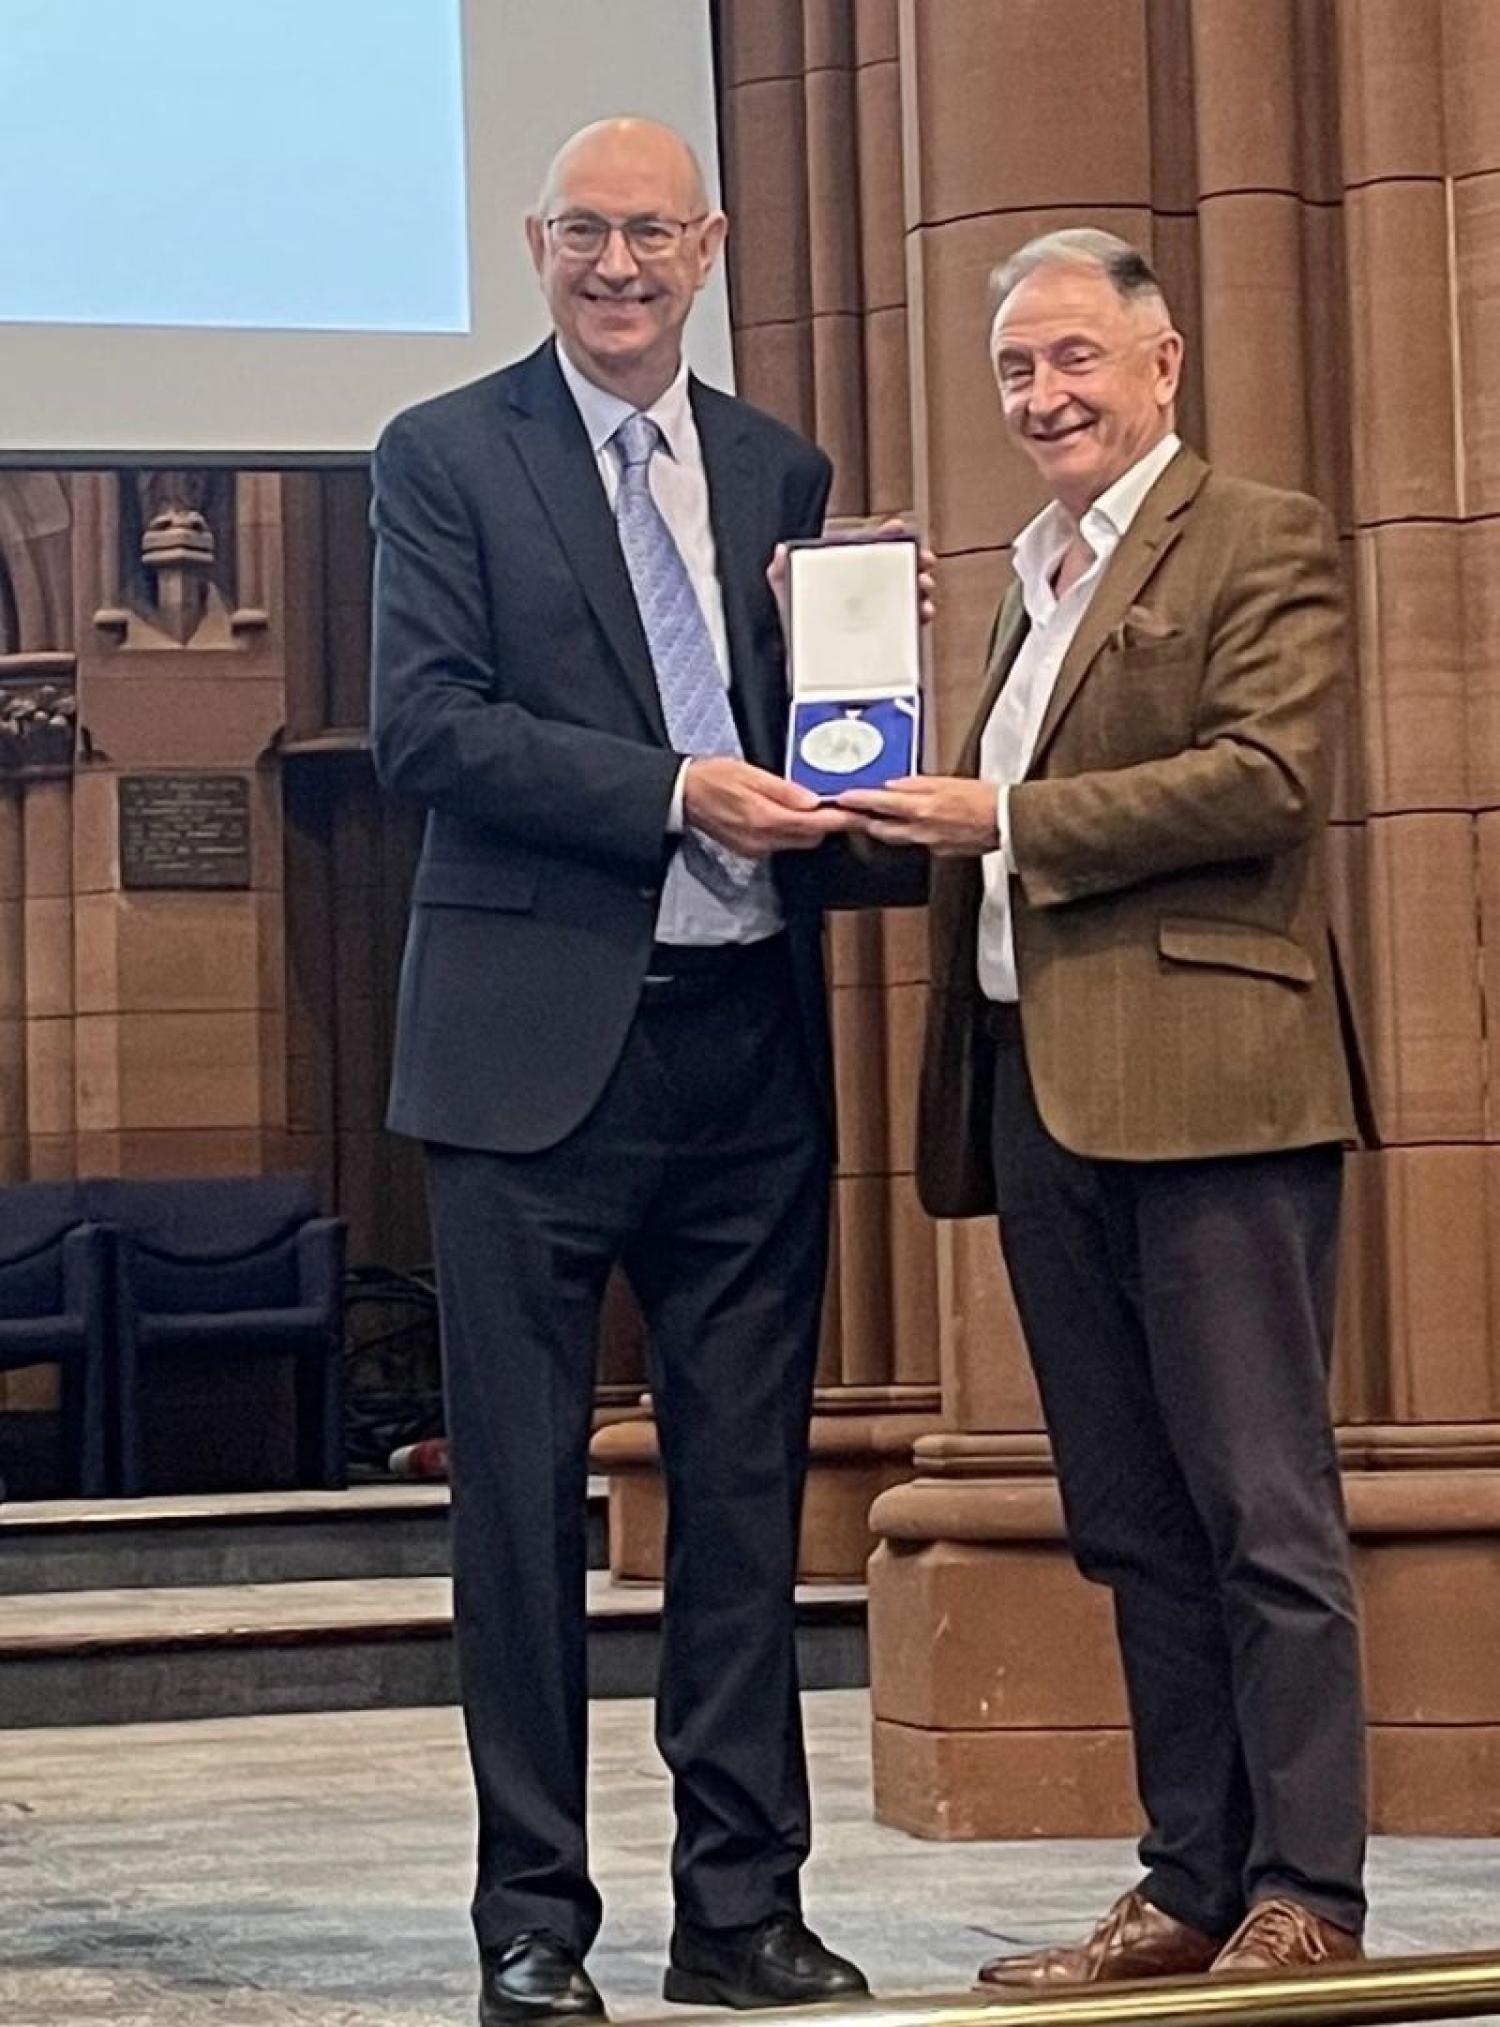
(1118, 506)
(603, 412)
(1039, 546)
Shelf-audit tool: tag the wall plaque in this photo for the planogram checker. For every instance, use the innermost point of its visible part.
(184, 830)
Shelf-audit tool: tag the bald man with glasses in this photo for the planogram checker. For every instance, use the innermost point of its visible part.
(612, 1038)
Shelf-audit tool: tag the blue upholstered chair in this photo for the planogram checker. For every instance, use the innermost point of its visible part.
(54, 1310)
(228, 1268)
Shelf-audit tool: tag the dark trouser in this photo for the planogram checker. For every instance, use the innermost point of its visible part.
(1179, 1319)
(704, 1171)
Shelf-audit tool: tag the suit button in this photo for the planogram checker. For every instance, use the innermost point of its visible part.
(650, 893)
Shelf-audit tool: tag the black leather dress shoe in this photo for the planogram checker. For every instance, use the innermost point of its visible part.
(778, 1962)
(534, 1979)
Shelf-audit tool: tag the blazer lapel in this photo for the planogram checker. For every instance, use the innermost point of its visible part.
(1005, 645)
(1150, 535)
(554, 447)
(734, 488)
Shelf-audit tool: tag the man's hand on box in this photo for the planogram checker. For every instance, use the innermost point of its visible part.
(951, 815)
(754, 812)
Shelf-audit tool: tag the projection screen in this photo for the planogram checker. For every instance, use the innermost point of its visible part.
(251, 232)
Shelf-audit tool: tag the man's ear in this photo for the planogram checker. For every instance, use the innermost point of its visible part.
(712, 234)
(1170, 362)
(536, 239)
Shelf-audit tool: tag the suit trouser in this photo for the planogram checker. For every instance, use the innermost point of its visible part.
(704, 1172)
(1179, 1319)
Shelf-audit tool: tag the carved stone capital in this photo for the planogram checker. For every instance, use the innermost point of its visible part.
(38, 714)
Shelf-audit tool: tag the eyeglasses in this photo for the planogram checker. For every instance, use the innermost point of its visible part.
(583, 235)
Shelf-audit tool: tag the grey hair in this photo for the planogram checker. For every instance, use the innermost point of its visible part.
(1126, 268)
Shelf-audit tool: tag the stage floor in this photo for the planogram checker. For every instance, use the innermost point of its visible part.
(312, 1871)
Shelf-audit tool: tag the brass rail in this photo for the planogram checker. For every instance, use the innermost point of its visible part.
(1386, 1989)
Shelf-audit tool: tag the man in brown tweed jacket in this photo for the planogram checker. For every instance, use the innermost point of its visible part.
(1135, 1055)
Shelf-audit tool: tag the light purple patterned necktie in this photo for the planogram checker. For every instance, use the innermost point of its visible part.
(694, 701)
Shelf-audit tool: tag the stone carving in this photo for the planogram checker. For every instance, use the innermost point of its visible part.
(36, 567)
(38, 715)
(178, 551)
(179, 559)
(177, 556)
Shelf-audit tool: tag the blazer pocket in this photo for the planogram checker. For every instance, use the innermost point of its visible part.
(1233, 946)
(1169, 655)
(1140, 704)
(475, 883)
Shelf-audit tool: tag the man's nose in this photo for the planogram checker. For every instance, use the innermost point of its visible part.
(1049, 390)
(617, 263)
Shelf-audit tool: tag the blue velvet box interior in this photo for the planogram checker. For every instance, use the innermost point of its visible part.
(833, 745)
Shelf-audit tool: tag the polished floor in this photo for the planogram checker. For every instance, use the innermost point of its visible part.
(311, 1871)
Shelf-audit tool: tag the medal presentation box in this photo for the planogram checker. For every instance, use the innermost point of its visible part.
(854, 659)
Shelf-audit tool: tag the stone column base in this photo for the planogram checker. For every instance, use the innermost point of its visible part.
(859, 1451)
(1425, 1781)
(999, 1710)
(1004, 1784)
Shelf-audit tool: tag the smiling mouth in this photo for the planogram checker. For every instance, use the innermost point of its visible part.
(604, 300)
(1061, 435)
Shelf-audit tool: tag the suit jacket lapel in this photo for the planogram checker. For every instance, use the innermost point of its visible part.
(1148, 538)
(734, 488)
(555, 449)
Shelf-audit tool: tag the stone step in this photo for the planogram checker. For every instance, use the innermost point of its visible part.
(233, 1650)
(207, 1539)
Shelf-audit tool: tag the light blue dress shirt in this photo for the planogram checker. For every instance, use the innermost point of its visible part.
(689, 913)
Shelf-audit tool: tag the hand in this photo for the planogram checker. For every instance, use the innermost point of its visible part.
(776, 571)
(926, 570)
(755, 812)
(953, 816)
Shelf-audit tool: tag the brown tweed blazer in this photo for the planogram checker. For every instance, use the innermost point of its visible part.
(1179, 987)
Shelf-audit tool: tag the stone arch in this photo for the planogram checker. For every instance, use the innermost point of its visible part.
(36, 529)
(10, 624)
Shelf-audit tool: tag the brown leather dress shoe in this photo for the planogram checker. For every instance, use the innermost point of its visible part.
(1134, 1940)
(1283, 1935)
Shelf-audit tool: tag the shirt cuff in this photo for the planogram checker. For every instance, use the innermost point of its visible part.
(675, 824)
(1002, 825)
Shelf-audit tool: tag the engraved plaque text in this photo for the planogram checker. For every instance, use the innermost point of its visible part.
(184, 830)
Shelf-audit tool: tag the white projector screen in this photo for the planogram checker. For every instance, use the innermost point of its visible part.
(251, 231)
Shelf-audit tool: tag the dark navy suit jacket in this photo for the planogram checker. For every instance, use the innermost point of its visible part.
(514, 697)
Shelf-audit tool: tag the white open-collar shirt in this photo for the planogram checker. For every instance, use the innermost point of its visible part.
(1010, 734)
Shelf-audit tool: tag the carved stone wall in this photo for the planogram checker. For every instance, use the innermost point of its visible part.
(188, 619)
(142, 1027)
(38, 738)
